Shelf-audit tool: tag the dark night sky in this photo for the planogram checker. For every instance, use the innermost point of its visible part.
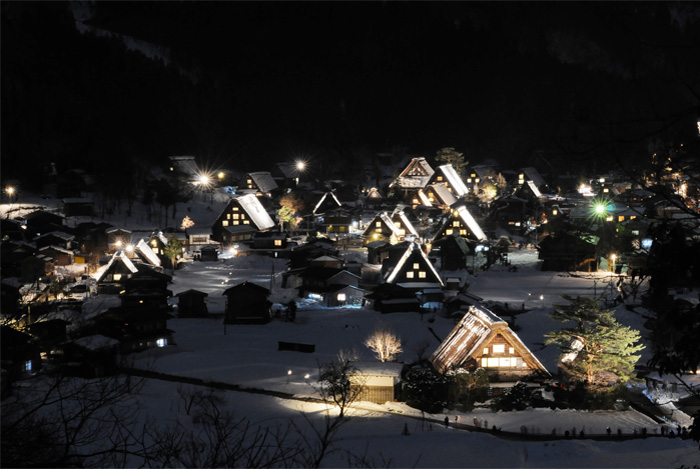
(337, 80)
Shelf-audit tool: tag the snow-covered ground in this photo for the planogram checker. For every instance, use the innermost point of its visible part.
(248, 356)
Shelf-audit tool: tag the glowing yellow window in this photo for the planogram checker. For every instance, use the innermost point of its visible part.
(511, 350)
(449, 231)
(476, 180)
(235, 222)
(235, 209)
(228, 216)
(421, 274)
(224, 223)
(439, 178)
(278, 242)
(455, 223)
(620, 218)
(246, 222)
(409, 274)
(492, 362)
(117, 277)
(486, 351)
(469, 180)
(416, 266)
(609, 218)
(499, 348)
(378, 224)
(463, 232)
(235, 216)
(506, 362)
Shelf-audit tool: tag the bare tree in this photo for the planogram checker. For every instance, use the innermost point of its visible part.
(59, 421)
(384, 343)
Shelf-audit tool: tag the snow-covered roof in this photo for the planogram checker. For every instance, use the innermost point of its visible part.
(533, 187)
(255, 210)
(145, 250)
(468, 338)
(424, 199)
(263, 180)
(323, 198)
(443, 193)
(533, 175)
(58, 234)
(469, 220)
(415, 176)
(56, 248)
(412, 248)
(406, 225)
(458, 186)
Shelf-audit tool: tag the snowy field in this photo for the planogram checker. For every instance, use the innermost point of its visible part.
(247, 355)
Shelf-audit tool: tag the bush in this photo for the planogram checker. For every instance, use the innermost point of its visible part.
(425, 389)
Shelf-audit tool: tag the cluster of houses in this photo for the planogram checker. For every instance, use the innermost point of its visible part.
(418, 232)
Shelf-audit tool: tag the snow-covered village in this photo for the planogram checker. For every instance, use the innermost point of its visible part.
(433, 305)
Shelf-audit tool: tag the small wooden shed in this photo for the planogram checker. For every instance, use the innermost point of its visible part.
(247, 303)
(192, 303)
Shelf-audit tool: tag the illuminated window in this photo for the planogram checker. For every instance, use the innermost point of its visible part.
(228, 216)
(620, 218)
(398, 224)
(409, 274)
(439, 178)
(609, 218)
(235, 209)
(421, 274)
(416, 266)
(463, 232)
(224, 223)
(154, 242)
(342, 297)
(28, 366)
(473, 175)
(278, 242)
(606, 190)
(511, 350)
(484, 362)
(469, 180)
(246, 222)
(555, 212)
(455, 223)
(236, 216)
(449, 231)
(499, 348)
(378, 224)
(492, 362)
(161, 342)
(486, 351)
(477, 180)
(506, 362)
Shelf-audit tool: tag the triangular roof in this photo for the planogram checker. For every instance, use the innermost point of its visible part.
(533, 175)
(458, 187)
(56, 248)
(248, 286)
(412, 249)
(373, 193)
(423, 198)
(58, 234)
(400, 216)
(118, 257)
(474, 332)
(263, 180)
(145, 250)
(255, 210)
(386, 220)
(416, 175)
(443, 194)
(463, 213)
(331, 201)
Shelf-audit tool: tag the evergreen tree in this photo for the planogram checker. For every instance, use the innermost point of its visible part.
(173, 249)
(596, 350)
(453, 157)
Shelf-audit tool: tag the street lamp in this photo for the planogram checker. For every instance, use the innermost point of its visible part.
(613, 257)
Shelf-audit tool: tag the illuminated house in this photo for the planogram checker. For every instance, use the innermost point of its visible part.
(483, 338)
(373, 197)
(240, 219)
(414, 177)
(406, 229)
(382, 228)
(331, 287)
(118, 270)
(447, 175)
(412, 269)
(328, 202)
(420, 198)
(462, 223)
(440, 196)
(117, 238)
(260, 183)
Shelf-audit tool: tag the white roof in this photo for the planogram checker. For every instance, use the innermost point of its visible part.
(458, 186)
(533, 187)
(263, 180)
(323, 198)
(413, 246)
(416, 175)
(257, 213)
(471, 222)
(147, 252)
(405, 223)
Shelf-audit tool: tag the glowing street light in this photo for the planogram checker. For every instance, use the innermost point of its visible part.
(613, 257)
(301, 165)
